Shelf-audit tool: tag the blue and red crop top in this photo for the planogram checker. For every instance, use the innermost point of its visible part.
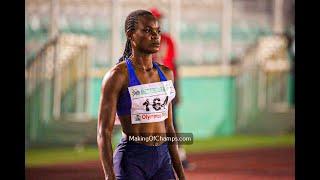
(124, 101)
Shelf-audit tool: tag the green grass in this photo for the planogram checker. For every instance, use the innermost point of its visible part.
(239, 142)
(39, 157)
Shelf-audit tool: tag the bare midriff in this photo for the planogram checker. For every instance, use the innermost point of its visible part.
(143, 130)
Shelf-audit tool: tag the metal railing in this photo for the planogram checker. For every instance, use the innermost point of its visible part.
(262, 82)
(57, 81)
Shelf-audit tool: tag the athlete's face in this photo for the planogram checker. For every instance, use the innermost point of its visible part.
(146, 37)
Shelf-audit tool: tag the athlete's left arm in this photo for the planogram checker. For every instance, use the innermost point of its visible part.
(173, 146)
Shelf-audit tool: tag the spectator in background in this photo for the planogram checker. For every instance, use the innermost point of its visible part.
(167, 57)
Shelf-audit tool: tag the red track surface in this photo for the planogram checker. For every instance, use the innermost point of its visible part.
(257, 164)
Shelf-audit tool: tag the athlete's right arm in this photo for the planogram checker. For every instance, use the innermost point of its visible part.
(111, 87)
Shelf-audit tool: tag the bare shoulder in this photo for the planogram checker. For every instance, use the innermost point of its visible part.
(166, 71)
(116, 76)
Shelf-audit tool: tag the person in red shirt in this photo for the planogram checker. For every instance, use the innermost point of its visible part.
(167, 56)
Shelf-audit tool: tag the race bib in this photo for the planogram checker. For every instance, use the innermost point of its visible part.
(150, 102)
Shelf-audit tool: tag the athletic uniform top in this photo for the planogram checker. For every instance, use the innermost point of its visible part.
(124, 102)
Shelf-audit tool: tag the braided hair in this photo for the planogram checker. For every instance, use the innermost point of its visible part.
(130, 25)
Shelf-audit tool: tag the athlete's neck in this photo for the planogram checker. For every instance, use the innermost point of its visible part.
(142, 61)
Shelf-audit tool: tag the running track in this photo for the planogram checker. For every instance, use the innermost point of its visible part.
(257, 164)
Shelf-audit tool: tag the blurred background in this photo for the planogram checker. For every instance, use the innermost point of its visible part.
(235, 61)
